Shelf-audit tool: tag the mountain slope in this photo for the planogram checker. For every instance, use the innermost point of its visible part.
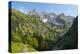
(70, 39)
(29, 31)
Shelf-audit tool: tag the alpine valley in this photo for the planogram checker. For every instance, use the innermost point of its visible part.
(42, 31)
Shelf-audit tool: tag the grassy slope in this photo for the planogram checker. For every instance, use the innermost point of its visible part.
(17, 19)
(21, 24)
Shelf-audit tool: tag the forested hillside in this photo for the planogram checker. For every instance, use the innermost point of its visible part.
(70, 39)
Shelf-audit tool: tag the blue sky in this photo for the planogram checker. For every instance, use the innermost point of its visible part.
(25, 7)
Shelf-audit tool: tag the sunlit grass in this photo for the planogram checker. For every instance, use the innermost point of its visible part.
(16, 47)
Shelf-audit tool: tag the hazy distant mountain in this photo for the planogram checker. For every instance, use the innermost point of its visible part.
(51, 17)
(33, 13)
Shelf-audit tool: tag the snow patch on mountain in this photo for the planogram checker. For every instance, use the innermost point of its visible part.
(44, 20)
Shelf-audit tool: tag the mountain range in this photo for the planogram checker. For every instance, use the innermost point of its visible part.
(51, 17)
(53, 20)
